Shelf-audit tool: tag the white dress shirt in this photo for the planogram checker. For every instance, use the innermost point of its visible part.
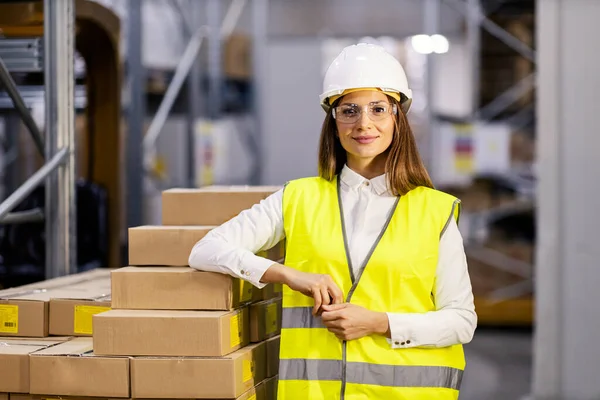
(231, 247)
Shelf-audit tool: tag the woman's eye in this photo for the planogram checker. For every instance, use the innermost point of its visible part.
(349, 111)
(378, 110)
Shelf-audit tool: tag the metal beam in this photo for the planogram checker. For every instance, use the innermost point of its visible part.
(431, 23)
(181, 72)
(21, 217)
(194, 86)
(504, 100)
(136, 111)
(59, 45)
(215, 44)
(494, 29)
(474, 46)
(30, 184)
(13, 92)
(260, 19)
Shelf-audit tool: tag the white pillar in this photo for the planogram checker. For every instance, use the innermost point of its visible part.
(567, 337)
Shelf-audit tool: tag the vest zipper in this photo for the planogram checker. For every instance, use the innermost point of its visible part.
(343, 391)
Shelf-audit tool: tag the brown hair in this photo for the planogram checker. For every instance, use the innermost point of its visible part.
(404, 166)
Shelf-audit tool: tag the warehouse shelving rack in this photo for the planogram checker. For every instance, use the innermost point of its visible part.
(58, 145)
(42, 36)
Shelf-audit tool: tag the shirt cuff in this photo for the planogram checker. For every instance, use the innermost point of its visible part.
(402, 336)
(252, 268)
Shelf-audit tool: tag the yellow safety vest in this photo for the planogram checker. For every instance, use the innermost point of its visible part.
(398, 276)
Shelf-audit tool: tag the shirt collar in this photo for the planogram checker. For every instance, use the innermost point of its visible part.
(355, 180)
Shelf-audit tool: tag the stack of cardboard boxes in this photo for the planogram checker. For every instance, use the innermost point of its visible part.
(61, 307)
(154, 329)
(187, 333)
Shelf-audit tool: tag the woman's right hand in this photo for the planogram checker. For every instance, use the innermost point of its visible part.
(320, 287)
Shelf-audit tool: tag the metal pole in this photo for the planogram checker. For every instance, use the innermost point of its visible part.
(474, 45)
(34, 181)
(508, 97)
(194, 83)
(34, 215)
(215, 75)
(136, 112)
(59, 48)
(13, 93)
(431, 25)
(260, 19)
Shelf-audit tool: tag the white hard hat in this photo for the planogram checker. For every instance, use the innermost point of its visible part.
(365, 65)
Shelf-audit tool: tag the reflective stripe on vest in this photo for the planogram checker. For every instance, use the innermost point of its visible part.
(370, 374)
(397, 276)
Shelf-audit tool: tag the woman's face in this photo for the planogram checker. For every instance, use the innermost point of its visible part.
(369, 134)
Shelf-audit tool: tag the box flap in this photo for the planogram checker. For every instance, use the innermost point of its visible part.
(224, 188)
(153, 270)
(76, 347)
(172, 228)
(163, 314)
(85, 286)
(23, 346)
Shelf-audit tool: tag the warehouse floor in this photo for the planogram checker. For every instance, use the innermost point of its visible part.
(498, 365)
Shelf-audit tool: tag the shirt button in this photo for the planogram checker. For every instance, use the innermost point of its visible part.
(408, 342)
(397, 343)
(243, 272)
(367, 183)
(402, 343)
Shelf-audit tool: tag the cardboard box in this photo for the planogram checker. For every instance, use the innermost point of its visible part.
(64, 281)
(71, 313)
(14, 361)
(237, 56)
(3, 396)
(74, 317)
(177, 288)
(271, 388)
(270, 291)
(50, 397)
(211, 205)
(24, 311)
(71, 369)
(163, 245)
(186, 378)
(265, 320)
(17, 396)
(273, 345)
(170, 333)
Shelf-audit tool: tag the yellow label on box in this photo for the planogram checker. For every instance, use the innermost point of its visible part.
(247, 370)
(253, 397)
(9, 318)
(277, 288)
(236, 332)
(271, 318)
(246, 289)
(83, 318)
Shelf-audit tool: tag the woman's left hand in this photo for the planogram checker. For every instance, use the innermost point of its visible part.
(349, 321)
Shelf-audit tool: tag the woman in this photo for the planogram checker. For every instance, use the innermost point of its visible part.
(377, 299)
